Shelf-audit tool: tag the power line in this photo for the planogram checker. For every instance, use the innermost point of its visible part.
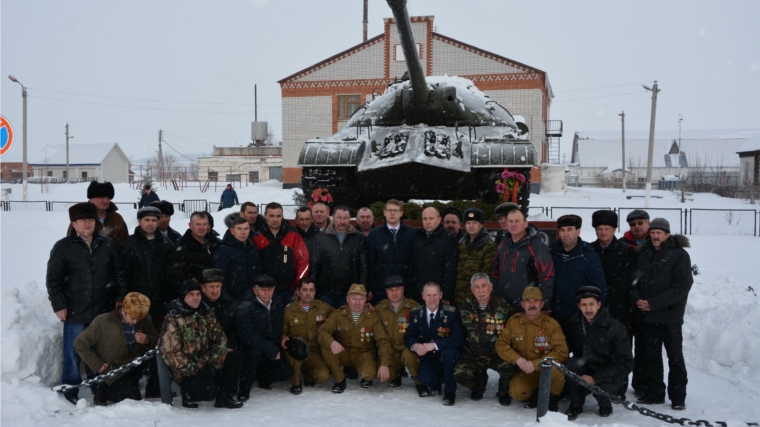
(175, 150)
(600, 87)
(145, 99)
(604, 96)
(142, 108)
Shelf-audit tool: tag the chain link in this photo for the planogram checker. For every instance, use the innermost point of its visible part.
(630, 405)
(110, 374)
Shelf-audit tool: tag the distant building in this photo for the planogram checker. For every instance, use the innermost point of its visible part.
(318, 101)
(709, 154)
(241, 164)
(749, 161)
(15, 170)
(87, 162)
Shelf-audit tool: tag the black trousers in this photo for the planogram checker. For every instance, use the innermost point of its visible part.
(126, 387)
(655, 336)
(636, 330)
(209, 383)
(258, 366)
(578, 393)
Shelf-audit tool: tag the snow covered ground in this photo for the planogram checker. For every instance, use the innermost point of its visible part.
(721, 335)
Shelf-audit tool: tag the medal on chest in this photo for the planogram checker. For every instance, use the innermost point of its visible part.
(295, 319)
(541, 344)
(444, 332)
(402, 325)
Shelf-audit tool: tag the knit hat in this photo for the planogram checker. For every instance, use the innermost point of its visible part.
(474, 214)
(357, 289)
(393, 281)
(504, 209)
(166, 208)
(298, 348)
(136, 305)
(264, 281)
(83, 211)
(452, 210)
(660, 224)
(188, 286)
(588, 292)
(97, 189)
(212, 275)
(149, 211)
(604, 217)
(569, 221)
(637, 214)
(532, 292)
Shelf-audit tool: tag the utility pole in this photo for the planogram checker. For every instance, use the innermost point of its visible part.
(365, 20)
(68, 174)
(160, 158)
(24, 172)
(622, 120)
(680, 119)
(255, 103)
(654, 91)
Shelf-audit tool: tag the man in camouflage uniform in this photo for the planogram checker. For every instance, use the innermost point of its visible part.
(483, 315)
(194, 348)
(303, 318)
(352, 336)
(526, 339)
(476, 252)
(394, 312)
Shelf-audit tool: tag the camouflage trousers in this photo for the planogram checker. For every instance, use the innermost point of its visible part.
(314, 367)
(471, 371)
(404, 359)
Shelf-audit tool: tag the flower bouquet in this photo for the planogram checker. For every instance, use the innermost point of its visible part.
(509, 185)
(320, 195)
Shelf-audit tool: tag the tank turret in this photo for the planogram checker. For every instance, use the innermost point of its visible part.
(433, 137)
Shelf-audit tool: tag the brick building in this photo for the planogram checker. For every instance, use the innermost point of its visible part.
(15, 170)
(318, 100)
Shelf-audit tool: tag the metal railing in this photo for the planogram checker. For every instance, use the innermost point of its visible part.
(733, 222)
(675, 217)
(585, 213)
(191, 206)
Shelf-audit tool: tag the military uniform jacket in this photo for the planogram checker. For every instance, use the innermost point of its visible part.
(532, 340)
(366, 334)
(396, 323)
(445, 330)
(299, 323)
(482, 327)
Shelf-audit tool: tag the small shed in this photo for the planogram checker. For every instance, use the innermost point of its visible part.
(87, 162)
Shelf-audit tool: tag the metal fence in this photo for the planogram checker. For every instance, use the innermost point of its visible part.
(585, 213)
(191, 206)
(17, 205)
(733, 222)
(213, 206)
(675, 217)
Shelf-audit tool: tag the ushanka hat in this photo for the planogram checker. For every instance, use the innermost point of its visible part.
(97, 189)
(136, 305)
(166, 208)
(474, 214)
(569, 221)
(604, 217)
(149, 211)
(84, 210)
(452, 210)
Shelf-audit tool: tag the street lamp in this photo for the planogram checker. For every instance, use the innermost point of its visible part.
(23, 96)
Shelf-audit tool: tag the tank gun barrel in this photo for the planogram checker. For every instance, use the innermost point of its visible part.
(416, 75)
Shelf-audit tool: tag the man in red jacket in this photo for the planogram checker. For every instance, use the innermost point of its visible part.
(283, 252)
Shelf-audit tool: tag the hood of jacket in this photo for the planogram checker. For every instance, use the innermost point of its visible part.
(531, 232)
(674, 241)
(231, 240)
(178, 308)
(231, 217)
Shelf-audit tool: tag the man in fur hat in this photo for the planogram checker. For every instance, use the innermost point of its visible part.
(85, 278)
(109, 222)
(167, 210)
(115, 339)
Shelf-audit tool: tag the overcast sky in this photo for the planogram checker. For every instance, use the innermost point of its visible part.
(120, 71)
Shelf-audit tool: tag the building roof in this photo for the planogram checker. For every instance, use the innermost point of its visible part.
(79, 154)
(753, 144)
(700, 147)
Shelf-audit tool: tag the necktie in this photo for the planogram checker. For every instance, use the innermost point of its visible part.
(393, 231)
(432, 317)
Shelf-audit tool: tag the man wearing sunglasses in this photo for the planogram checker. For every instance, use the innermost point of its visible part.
(638, 221)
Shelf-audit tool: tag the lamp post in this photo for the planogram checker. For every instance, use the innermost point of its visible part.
(23, 96)
(654, 91)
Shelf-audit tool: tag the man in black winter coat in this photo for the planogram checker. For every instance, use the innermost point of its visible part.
(660, 294)
(259, 327)
(148, 196)
(239, 258)
(144, 256)
(601, 352)
(390, 246)
(197, 246)
(341, 259)
(434, 258)
(307, 230)
(225, 308)
(167, 210)
(85, 278)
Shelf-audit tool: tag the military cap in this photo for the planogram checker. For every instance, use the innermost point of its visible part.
(588, 292)
(297, 348)
(637, 214)
(474, 214)
(264, 281)
(212, 275)
(393, 281)
(84, 210)
(452, 210)
(532, 292)
(357, 289)
(569, 221)
(504, 209)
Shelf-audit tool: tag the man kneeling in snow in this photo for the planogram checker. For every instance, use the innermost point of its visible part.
(115, 339)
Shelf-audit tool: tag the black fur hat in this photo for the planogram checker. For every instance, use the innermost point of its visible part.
(83, 211)
(166, 208)
(569, 221)
(452, 210)
(604, 217)
(297, 348)
(97, 189)
(474, 214)
(504, 209)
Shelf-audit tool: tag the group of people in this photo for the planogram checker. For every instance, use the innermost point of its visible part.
(443, 304)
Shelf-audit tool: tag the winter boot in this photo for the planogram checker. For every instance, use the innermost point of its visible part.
(396, 383)
(186, 400)
(224, 401)
(350, 373)
(553, 403)
(340, 387)
(573, 412)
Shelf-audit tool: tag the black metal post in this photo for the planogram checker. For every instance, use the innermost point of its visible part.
(544, 385)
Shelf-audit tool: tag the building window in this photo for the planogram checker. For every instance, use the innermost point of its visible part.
(347, 105)
(65, 174)
(253, 177)
(213, 176)
(84, 174)
(232, 177)
(50, 173)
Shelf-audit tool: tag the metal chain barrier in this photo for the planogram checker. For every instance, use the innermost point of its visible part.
(630, 405)
(110, 374)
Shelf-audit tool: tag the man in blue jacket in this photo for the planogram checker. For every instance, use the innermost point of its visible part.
(389, 247)
(259, 326)
(576, 265)
(239, 258)
(229, 198)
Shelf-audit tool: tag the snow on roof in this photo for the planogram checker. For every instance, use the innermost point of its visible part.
(713, 147)
(753, 144)
(79, 154)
